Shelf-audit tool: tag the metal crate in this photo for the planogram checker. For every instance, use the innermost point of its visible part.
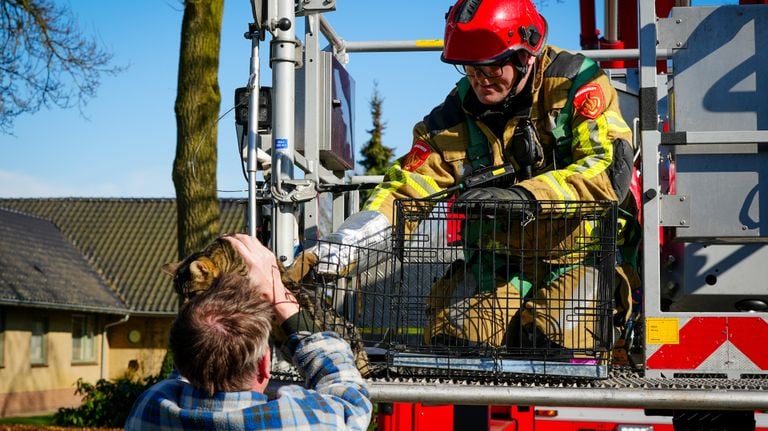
(356, 304)
(474, 276)
(449, 263)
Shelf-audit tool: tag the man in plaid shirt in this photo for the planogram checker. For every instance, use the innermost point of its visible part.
(219, 342)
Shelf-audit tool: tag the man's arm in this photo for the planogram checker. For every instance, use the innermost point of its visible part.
(324, 359)
(328, 366)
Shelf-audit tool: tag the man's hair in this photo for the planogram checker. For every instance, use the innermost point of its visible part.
(220, 335)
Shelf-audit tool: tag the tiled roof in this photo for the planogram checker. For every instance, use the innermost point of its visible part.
(42, 269)
(126, 241)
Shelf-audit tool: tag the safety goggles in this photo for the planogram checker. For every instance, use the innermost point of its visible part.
(493, 70)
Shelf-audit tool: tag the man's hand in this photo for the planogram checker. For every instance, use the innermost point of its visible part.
(264, 275)
(295, 273)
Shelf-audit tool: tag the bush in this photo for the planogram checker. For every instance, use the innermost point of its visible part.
(107, 403)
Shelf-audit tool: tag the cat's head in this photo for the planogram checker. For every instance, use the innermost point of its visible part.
(198, 271)
(193, 275)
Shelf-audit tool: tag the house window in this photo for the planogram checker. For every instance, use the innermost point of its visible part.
(83, 339)
(38, 345)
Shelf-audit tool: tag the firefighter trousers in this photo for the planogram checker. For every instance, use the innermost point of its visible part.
(562, 311)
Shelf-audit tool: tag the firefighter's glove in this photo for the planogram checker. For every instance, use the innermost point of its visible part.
(297, 272)
(491, 201)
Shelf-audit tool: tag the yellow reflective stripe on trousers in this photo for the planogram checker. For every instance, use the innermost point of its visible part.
(621, 225)
(385, 330)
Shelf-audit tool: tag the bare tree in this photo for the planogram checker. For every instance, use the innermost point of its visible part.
(197, 106)
(46, 61)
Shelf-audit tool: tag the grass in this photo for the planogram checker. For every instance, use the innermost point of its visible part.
(28, 420)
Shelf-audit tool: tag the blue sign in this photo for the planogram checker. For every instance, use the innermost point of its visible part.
(281, 144)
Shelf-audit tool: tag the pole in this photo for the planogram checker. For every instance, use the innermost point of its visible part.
(283, 61)
(254, 140)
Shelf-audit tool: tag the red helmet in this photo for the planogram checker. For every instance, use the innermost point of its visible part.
(487, 31)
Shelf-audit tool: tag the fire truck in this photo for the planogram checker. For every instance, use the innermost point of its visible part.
(694, 352)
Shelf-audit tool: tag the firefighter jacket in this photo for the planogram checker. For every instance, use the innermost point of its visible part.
(593, 162)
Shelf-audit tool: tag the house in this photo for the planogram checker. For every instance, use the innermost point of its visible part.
(82, 294)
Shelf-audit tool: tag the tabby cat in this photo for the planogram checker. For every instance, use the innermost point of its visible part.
(198, 271)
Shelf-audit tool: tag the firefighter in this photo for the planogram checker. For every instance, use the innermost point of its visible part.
(554, 116)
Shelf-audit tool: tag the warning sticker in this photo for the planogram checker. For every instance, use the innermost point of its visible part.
(662, 330)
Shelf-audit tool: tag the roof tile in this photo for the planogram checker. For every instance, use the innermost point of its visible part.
(41, 268)
(126, 241)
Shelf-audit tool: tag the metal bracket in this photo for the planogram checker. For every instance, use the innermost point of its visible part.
(263, 13)
(674, 210)
(672, 32)
(298, 54)
(294, 191)
(315, 6)
(324, 175)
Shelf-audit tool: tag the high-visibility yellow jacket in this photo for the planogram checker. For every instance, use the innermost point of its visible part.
(595, 169)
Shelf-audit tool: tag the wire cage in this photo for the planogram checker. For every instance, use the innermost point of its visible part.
(476, 288)
(355, 301)
(497, 287)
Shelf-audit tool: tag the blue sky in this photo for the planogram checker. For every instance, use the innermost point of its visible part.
(124, 144)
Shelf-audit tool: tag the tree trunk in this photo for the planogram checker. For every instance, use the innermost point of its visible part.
(197, 108)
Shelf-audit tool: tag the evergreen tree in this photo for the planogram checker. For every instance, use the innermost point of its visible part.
(376, 156)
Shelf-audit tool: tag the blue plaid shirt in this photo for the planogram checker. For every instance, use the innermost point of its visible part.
(338, 400)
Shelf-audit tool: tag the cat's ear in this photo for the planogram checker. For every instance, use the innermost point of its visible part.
(202, 270)
(171, 268)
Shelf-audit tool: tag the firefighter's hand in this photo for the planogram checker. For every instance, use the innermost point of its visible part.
(301, 266)
(490, 200)
(497, 194)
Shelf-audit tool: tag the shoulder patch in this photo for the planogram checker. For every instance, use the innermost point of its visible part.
(417, 156)
(589, 101)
